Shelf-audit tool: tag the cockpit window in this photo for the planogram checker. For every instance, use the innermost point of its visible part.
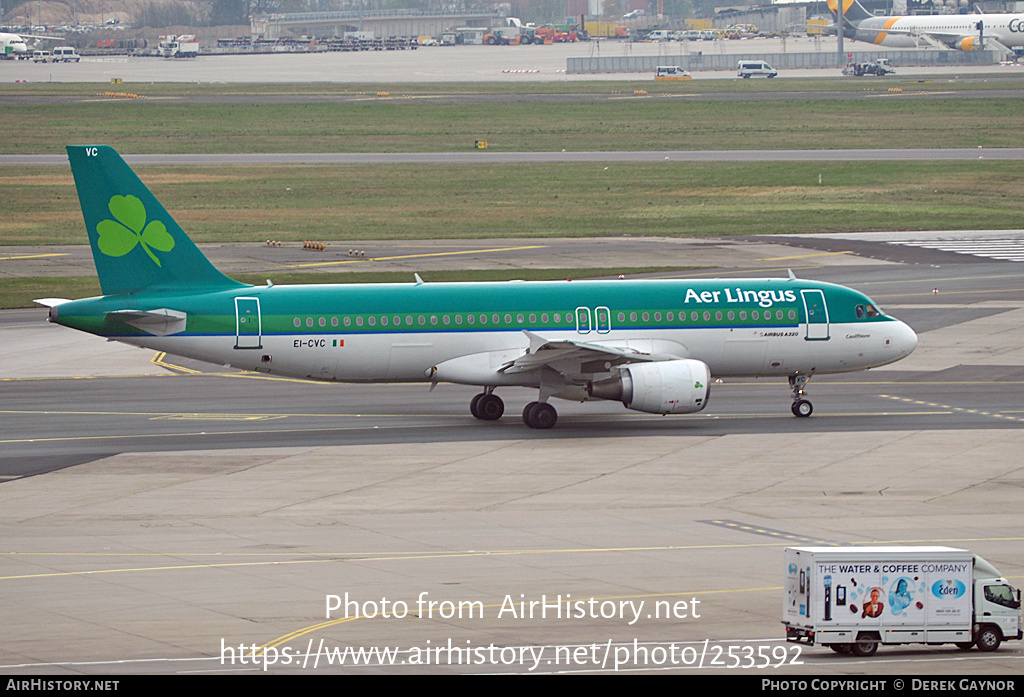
(867, 311)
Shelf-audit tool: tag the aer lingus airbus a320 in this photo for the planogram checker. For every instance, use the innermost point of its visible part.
(655, 346)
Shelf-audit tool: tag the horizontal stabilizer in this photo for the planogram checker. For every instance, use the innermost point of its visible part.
(51, 302)
(162, 322)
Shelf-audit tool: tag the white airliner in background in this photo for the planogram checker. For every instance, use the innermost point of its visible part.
(14, 45)
(961, 32)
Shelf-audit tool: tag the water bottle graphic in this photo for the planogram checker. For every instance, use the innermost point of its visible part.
(828, 597)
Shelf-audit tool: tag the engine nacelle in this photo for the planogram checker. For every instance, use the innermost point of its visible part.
(664, 387)
(968, 43)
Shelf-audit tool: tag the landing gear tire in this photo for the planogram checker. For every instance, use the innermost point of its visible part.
(539, 415)
(487, 407)
(989, 639)
(802, 408)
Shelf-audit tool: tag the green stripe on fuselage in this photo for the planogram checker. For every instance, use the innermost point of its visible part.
(284, 307)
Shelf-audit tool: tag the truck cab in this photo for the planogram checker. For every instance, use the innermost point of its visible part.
(997, 614)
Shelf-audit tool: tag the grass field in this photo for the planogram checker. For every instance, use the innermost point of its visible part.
(187, 119)
(38, 205)
(338, 203)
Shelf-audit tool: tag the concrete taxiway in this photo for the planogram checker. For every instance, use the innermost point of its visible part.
(168, 516)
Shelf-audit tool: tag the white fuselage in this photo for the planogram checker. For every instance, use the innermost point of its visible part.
(956, 31)
(729, 352)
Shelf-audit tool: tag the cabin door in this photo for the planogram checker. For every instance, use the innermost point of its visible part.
(816, 314)
(249, 332)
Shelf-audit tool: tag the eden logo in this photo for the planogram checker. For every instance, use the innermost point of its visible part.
(129, 228)
(948, 588)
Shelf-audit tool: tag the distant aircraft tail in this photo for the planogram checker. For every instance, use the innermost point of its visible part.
(136, 244)
(853, 12)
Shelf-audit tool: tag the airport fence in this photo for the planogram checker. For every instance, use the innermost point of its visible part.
(779, 61)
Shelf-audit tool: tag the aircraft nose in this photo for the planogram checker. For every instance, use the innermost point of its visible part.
(906, 340)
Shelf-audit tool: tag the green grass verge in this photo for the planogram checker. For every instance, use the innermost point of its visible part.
(614, 119)
(340, 204)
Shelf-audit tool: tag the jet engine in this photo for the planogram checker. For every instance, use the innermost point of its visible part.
(665, 387)
(968, 43)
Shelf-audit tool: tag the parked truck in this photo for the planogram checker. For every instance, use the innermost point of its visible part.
(182, 46)
(852, 599)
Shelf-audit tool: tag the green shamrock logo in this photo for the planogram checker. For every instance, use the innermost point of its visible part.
(697, 385)
(119, 236)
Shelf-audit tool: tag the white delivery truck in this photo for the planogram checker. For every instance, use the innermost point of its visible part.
(184, 46)
(851, 599)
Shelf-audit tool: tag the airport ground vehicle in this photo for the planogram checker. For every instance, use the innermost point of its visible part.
(748, 69)
(666, 73)
(606, 29)
(852, 599)
(42, 57)
(879, 66)
(497, 37)
(65, 54)
(183, 46)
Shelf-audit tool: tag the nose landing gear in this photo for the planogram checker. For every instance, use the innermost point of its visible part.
(801, 407)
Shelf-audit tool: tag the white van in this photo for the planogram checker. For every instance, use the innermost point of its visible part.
(671, 72)
(747, 69)
(65, 54)
(41, 56)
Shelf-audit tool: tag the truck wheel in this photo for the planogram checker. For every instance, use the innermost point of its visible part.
(865, 646)
(989, 639)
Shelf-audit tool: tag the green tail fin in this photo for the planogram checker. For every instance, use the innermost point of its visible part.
(135, 242)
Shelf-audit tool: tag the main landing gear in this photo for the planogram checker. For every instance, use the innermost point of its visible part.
(539, 415)
(801, 407)
(488, 406)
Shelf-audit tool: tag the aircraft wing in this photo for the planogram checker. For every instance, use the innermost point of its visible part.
(565, 362)
(574, 357)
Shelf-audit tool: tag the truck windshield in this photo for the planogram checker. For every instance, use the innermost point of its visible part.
(1002, 595)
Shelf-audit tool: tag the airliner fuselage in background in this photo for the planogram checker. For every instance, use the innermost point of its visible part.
(655, 346)
(962, 32)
